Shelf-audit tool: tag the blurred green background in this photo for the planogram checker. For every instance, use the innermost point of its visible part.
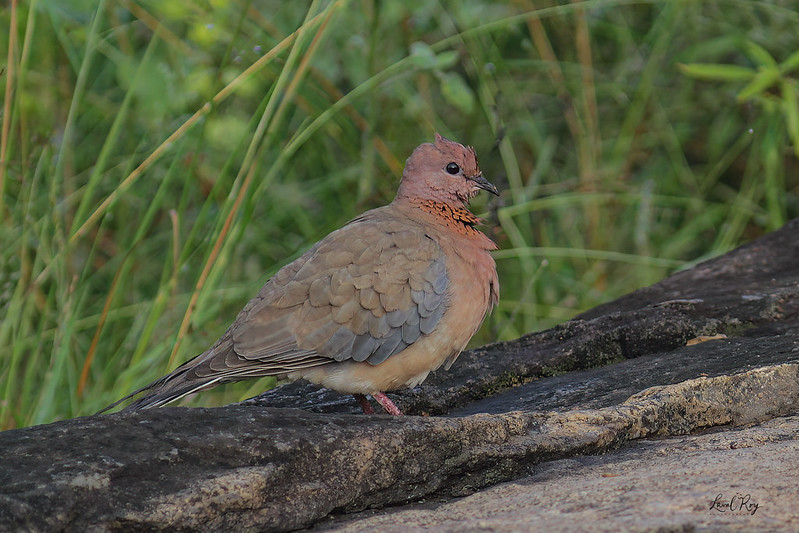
(160, 160)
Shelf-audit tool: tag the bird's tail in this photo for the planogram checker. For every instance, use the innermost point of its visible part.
(167, 389)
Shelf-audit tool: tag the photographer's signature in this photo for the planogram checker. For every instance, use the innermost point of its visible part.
(740, 503)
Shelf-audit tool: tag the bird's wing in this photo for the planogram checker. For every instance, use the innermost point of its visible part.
(365, 293)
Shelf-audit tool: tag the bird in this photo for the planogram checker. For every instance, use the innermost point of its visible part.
(374, 306)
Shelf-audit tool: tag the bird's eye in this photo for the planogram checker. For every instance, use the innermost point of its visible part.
(453, 168)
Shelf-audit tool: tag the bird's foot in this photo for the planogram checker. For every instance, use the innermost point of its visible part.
(387, 404)
(390, 407)
(365, 405)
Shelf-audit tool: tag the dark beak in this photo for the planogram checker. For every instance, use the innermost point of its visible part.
(484, 184)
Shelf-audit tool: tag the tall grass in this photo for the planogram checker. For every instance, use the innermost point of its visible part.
(160, 160)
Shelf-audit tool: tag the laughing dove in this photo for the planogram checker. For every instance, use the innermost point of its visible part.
(376, 305)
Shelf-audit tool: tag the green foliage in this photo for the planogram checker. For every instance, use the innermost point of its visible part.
(159, 160)
(771, 85)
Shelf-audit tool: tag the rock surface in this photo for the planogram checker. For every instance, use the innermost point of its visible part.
(739, 479)
(538, 410)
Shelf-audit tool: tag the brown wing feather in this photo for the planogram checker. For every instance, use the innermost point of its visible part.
(365, 293)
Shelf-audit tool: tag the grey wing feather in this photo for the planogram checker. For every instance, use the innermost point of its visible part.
(377, 299)
(364, 293)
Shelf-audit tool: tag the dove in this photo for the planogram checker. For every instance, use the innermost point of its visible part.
(375, 306)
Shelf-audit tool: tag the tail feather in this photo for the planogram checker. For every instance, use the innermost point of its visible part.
(161, 392)
(210, 369)
(129, 396)
(168, 394)
(172, 387)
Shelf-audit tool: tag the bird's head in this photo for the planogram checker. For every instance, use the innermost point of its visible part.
(445, 172)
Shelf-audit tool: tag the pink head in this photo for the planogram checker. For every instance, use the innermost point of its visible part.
(444, 172)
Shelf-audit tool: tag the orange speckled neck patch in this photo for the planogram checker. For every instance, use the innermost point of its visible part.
(461, 219)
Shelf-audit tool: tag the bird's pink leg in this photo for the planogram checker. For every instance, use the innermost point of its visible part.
(387, 404)
(365, 405)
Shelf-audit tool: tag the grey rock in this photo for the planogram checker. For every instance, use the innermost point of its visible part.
(736, 479)
(535, 410)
